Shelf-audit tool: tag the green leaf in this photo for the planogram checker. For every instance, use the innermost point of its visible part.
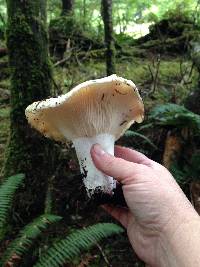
(7, 191)
(177, 116)
(27, 236)
(146, 139)
(72, 246)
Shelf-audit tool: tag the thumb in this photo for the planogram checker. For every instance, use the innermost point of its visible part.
(118, 168)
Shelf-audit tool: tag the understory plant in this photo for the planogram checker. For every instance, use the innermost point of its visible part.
(181, 152)
(61, 251)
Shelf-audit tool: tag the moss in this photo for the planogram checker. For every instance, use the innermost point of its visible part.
(4, 122)
(27, 151)
(65, 28)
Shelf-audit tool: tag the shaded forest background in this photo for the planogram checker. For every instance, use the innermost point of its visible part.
(47, 48)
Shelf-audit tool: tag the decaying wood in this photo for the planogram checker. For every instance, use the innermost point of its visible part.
(85, 262)
(172, 149)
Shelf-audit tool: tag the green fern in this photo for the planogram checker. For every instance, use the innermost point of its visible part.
(7, 191)
(177, 116)
(20, 246)
(67, 249)
(146, 139)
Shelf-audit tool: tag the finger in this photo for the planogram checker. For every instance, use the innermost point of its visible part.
(120, 214)
(120, 169)
(132, 155)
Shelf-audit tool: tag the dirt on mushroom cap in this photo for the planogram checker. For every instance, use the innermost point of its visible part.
(107, 105)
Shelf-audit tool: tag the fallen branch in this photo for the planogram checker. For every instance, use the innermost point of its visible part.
(79, 54)
(104, 255)
(154, 74)
(60, 62)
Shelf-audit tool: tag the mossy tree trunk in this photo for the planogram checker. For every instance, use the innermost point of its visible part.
(67, 7)
(106, 11)
(28, 152)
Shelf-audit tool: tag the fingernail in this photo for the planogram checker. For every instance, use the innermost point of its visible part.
(98, 150)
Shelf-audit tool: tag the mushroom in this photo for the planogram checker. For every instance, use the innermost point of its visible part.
(96, 111)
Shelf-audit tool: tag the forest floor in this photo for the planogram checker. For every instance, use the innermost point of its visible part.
(161, 79)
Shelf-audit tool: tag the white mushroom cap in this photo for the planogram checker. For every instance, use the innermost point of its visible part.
(96, 111)
(107, 105)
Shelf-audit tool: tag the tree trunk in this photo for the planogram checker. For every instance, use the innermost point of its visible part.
(193, 100)
(28, 152)
(106, 11)
(67, 7)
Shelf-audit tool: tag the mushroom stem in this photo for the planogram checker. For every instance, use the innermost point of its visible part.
(94, 180)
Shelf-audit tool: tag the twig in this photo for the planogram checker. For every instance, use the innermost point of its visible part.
(87, 53)
(103, 255)
(154, 76)
(191, 70)
(62, 61)
(77, 59)
(57, 90)
(183, 80)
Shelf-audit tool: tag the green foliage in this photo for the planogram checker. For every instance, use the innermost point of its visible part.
(135, 134)
(67, 249)
(187, 171)
(65, 28)
(67, 25)
(177, 116)
(61, 251)
(2, 19)
(194, 170)
(20, 246)
(7, 191)
(179, 173)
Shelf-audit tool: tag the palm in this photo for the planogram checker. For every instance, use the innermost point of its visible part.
(145, 196)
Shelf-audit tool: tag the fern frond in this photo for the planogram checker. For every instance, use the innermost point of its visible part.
(130, 133)
(7, 190)
(67, 249)
(26, 237)
(177, 116)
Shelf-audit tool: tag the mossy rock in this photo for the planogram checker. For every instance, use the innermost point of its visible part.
(178, 45)
(171, 34)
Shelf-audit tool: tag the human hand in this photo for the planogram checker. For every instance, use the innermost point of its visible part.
(156, 204)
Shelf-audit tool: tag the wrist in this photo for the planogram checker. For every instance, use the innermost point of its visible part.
(179, 242)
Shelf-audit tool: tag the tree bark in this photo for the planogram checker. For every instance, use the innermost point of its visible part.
(106, 11)
(28, 152)
(67, 7)
(192, 102)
